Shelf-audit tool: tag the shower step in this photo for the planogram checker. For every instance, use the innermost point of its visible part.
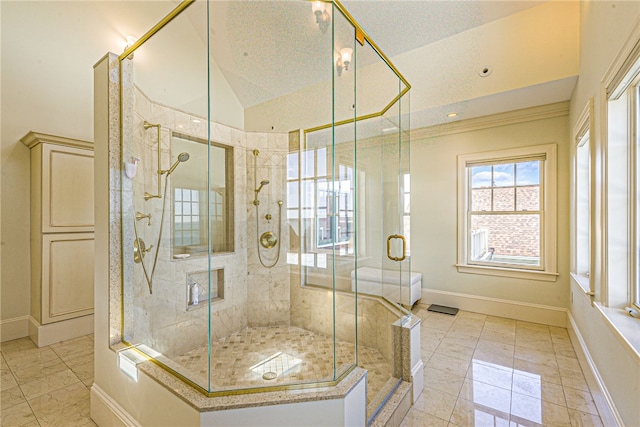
(395, 409)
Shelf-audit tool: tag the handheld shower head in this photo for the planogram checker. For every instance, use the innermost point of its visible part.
(257, 190)
(182, 157)
(262, 184)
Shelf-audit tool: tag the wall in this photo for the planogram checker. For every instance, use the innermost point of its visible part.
(604, 28)
(268, 295)
(434, 213)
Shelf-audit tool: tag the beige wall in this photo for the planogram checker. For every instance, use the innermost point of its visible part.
(434, 212)
(605, 27)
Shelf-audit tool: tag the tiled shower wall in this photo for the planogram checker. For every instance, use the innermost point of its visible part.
(161, 319)
(268, 296)
(311, 310)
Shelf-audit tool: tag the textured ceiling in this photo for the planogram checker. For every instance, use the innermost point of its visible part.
(399, 26)
(267, 49)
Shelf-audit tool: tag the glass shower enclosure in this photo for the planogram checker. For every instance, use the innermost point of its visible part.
(265, 153)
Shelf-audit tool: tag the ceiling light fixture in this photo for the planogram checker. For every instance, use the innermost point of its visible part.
(322, 16)
(451, 115)
(344, 59)
(130, 41)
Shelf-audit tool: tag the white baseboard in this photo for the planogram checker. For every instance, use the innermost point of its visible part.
(602, 398)
(536, 313)
(52, 333)
(12, 329)
(417, 381)
(107, 412)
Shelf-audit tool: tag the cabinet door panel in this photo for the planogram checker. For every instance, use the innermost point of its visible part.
(67, 189)
(67, 276)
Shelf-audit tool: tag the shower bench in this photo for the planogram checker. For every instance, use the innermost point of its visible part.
(405, 288)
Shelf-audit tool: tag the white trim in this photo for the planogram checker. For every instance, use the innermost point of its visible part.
(548, 217)
(537, 313)
(585, 124)
(417, 381)
(606, 407)
(623, 327)
(619, 60)
(107, 412)
(51, 333)
(558, 109)
(582, 281)
(515, 273)
(14, 328)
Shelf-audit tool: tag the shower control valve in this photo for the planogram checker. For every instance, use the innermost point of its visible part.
(267, 217)
(140, 215)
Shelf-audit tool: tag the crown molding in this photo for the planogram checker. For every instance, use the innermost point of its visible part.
(542, 112)
(32, 139)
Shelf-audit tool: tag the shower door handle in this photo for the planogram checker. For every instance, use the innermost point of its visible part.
(404, 247)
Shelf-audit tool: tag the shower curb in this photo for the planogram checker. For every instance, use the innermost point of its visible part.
(395, 409)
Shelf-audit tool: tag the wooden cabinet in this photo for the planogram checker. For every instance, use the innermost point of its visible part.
(67, 276)
(62, 238)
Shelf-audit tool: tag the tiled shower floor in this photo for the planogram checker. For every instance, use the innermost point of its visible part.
(298, 355)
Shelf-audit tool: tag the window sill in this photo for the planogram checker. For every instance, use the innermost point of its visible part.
(515, 273)
(582, 281)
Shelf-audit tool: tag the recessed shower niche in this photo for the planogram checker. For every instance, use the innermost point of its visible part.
(258, 188)
(204, 287)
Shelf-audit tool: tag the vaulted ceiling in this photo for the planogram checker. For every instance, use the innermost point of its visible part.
(269, 50)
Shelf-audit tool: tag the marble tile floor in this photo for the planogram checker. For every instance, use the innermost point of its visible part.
(479, 371)
(47, 386)
(491, 371)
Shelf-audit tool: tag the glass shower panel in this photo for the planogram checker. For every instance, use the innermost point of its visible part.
(397, 182)
(166, 288)
(341, 200)
(377, 160)
(242, 236)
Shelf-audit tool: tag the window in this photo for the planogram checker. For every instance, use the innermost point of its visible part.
(186, 217)
(583, 189)
(196, 210)
(582, 204)
(635, 286)
(406, 210)
(321, 204)
(326, 204)
(622, 285)
(507, 218)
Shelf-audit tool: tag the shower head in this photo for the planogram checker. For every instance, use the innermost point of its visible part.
(182, 157)
(262, 184)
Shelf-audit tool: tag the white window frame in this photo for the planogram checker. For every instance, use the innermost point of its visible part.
(548, 218)
(406, 210)
(582, 261)
(621, 275)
